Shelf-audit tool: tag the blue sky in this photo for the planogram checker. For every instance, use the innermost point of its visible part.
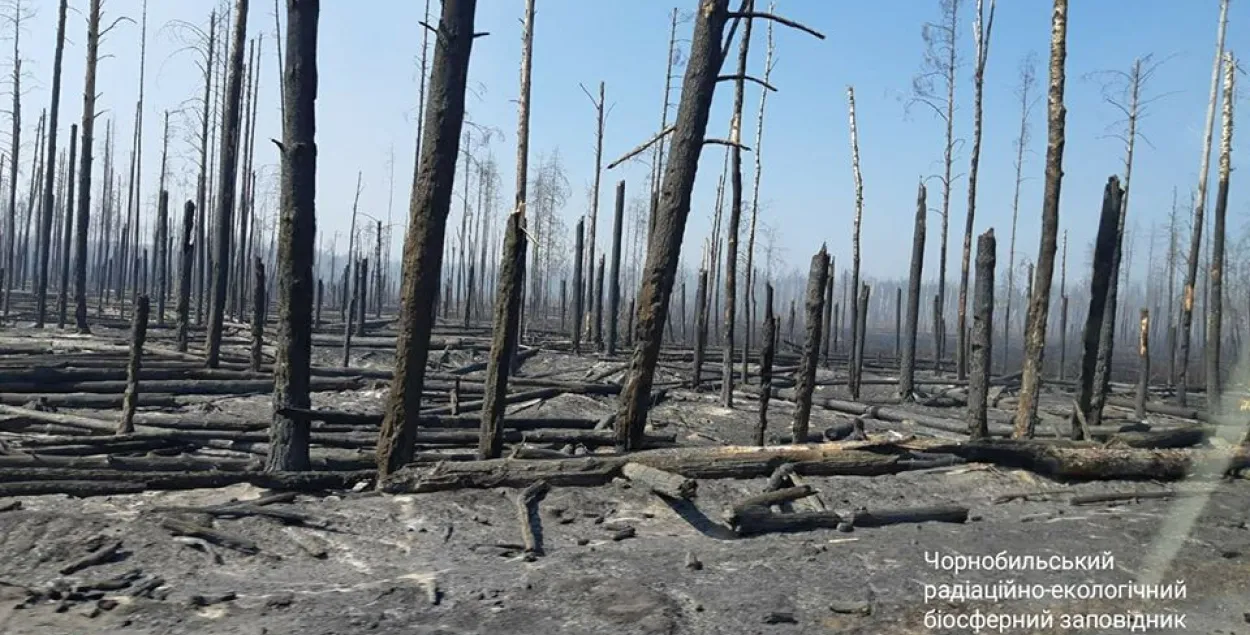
(368, 88)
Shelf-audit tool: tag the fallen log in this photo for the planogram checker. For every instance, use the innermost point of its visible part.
(661, 482)
(338, 417)
(88, 400)
(39, 481)
(883, 517)
(100, 556)
(178, 386)
(238, 543)
(1076, 461)
(768, 499)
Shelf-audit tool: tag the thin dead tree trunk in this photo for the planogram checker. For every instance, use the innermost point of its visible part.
(700, 327)
(1215, 302)
(162, 275)
(735, 217)
(859, 216)
(811, 346)
(982, 336)
(84, 171)
(1100, 281)
(755, 209)
(857, 365)
(1195, 236)
(226, 184)
(980, 42)
(297, 231)
(1039, 303)
(258, 314)
(766, 364)
(49, 193)
(579, 241)
(14, 151)
(907, 364)
(186, 260)
(594, 201)
(68, 229)
(138, 334)
(614, 276)
(201, 187)
(508, 301)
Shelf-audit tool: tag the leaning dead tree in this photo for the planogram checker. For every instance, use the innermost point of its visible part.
(1099, 296)
(1039, 303)
(669, 221)
(1024, 92)
(981, 29)
(1215, 303)
(297, 230)
(507, 319)
(938, 74)
(1195, 236)
(907, 366)
(226, 185)
(49, 184)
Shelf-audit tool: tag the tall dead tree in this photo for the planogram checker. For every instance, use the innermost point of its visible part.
(735, 216)
(748, 297)
(767, 352)
(1195, 236)
(84, 170)
(982, 335)
(614, 277)
(1099, 291)
(1024, 92)
(981, 29)
(669, 221)
(186, 262)
(201, 184)
(1215, 302)
(10, 263)
(161, 247)
(1039, 303)
(507, 319)
(226, 184)
(907, 365)
(49, 193)
(859, 217)
(938, 74)
(579, 241)
(67, 229)
(297, 231)
(594, 200)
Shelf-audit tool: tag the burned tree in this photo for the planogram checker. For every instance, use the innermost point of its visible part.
(84, 170)
(1024, 92)
(907, 364)
(186, 261)
(811, 345)
(749, 273)
(980, 42)
(297, 231)
(578, 283)
(1215, 302)
(226, 184)
(1195, 236)
(1039, 303)
(859, 216)
(138, 335)
(49, 195)
(982, 336)
(1100, 283)
(767, 353)
(614, 277)
(68, 229)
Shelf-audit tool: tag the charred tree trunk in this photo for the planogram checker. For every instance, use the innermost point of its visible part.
(811, 347)
(84, 171)
(857, 364)
(1039, 303)
(321, 293)
(186, 262)
(138, 333)
(907, 363)
(859, 216)
(766, 363)
(258, 314)
(1143, 367)
(49, 192)
(1215, 308)
(1100, 283)
(67, 239)
(297, 234)
(362, 303)
(898, 323)
(982, 337)
(826, 325)
(202, 185)
(614, 278)
(700, 328)
(669, 222)
(579, 242)
(1195, 235)
(735, 218)
(162, 256)
(226, 192)
(599, 304)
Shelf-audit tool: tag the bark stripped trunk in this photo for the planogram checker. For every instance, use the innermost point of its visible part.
(297, 232)
(1039, 303)
(162, 255)
(982, 336)
(579, 248)
(49, 196)
(747, 303)
(1100, 282)
(226, 192)
(1215, 301)
(201, 189)
(859, 215)
(1195, 236)
(811, 347)
(907, 363)
(84, 171)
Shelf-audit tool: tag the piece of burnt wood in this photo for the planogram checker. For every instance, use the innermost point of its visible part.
(106, 482)
(258, 314)
(700, 328)
(75, 488)
(185, 263)
(214, 536)
(183, 387)
(139, 333)
(907, 363)
(661, 482)
(855, 458)
(527, 512)
(61, 419)
(579, 246)
(1099, 463)
(1143, 366)
(768, 499)
(241, 510)
(321, 292)
(1118, 497)
(883, 517)
(1100, 281)
(135, 463)
(760, 520)
(811, 347)
(100, 555)
(982, 337)
(454, 398)
(861, 333)
(521, 355)
(766, 364)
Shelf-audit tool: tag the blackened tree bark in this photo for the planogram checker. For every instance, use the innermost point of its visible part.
(258, 313)
(84, 170)
(767, 354)
(907, 365)
(857, 363)
(1039, 303)
(508, 300)
(138, 334)
(297, 234)
(201, 186)
(614, 277)
(162, 255)
(811, 346)
(735, 218)
(67, 239)
(579, 240)
(226, 184)
(1215, 301)
(427, 227)
(700, 328)
(1195, 235)
(982, 337)
(1100, 281)
(49, 192)
(186, 262)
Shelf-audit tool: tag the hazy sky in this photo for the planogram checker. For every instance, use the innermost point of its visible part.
(368, 89)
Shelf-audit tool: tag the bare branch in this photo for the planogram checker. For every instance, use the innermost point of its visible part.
(640, 149)
(726, 142)
(726, 78)
(756, 15)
